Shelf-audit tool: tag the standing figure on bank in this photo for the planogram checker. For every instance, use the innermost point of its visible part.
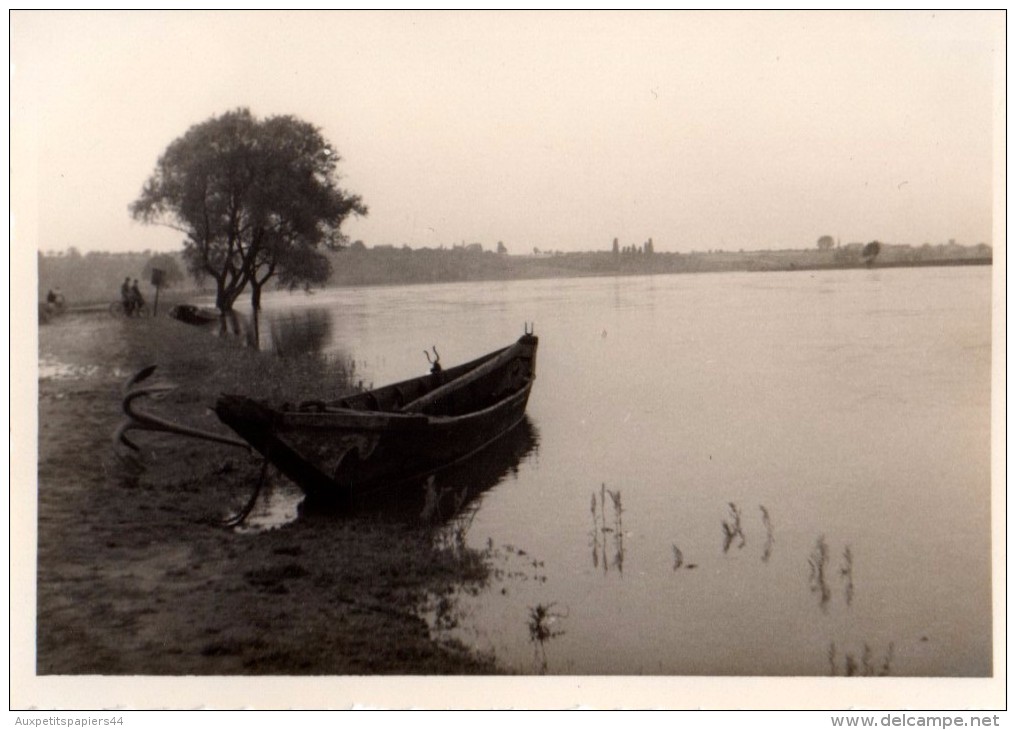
(125, 297)
(137, 301)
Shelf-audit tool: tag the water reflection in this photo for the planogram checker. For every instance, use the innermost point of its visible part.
(303, 332)
(602, 533)
(277, 505)
(454, 490)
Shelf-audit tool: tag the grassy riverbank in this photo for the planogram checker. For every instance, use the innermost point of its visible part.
(134, 575)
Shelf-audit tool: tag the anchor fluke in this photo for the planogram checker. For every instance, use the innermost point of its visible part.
(141, 421)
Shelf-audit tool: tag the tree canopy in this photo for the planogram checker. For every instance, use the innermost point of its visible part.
(870, 252)
(255, 199)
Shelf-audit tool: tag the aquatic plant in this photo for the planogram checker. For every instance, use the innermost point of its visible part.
(863, 666)
(541, 627)
(601, 529)
(679, 561)
(733, 529)
(866, 664)
(615, 498)
(886, 667)
(817, 563)
(847, 573)
(850, 668)
(770, 539)
(678, 557)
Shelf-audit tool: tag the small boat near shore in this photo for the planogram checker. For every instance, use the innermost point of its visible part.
(336, 451)
(190, 314)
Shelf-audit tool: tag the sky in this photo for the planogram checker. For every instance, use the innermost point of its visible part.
(559, 131)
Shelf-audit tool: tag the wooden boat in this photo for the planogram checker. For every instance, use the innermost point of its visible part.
(449, 491)
(380, 438)
(189, 314)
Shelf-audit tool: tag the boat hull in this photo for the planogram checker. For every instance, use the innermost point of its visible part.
(189, 314)
(339, 451)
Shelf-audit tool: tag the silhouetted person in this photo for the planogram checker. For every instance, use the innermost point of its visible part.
(54, 300)
(137, 300)
(125, 296)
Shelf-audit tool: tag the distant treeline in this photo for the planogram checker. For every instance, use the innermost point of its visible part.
(96, 277)
(390, 265)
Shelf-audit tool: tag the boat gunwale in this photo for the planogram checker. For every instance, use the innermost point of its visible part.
(384, 420)
(368, 420)
(453, 373)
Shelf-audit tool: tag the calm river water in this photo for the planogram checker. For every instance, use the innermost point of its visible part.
(721, 474)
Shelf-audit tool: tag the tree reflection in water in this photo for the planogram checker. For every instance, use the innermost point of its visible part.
(301, 332)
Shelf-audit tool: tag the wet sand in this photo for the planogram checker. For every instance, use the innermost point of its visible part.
(134, 575)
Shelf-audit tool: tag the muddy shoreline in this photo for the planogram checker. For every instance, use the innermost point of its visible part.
(135, 576)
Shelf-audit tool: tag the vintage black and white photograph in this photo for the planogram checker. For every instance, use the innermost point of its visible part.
(508, 344)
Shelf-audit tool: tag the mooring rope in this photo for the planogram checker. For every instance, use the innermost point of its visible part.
(239, 518)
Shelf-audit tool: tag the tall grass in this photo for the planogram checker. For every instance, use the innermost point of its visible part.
(206, 364)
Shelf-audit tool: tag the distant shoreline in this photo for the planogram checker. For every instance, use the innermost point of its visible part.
(93, 281)
(706, 265)
(892, 265)
(390, 265)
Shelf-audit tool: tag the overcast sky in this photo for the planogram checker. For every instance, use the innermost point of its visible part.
(559, 131)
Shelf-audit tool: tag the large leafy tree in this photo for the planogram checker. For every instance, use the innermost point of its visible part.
(255, 199)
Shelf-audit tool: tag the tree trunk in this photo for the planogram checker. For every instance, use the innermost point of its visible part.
(229, 322)
(255, 304)
(256, 286)
(228, 319)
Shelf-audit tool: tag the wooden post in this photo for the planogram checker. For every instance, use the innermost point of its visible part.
(157, 277)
